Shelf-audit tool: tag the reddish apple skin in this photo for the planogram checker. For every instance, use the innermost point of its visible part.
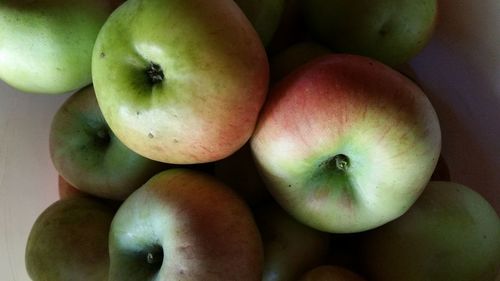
(66, 190)
(358, 107)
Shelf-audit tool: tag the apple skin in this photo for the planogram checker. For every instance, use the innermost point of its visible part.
(391, 31)
(184, 225)
(330, 273)
(66, 190)
(450, 233)
(87, 154)
(69, 241)
(185, 83)
(265, 16)
(290, 247)
(47, 44)
(346, 143)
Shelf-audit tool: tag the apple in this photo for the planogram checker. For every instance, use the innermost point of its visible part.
(47, 44)
(239, 172)
(184, 225)
(294, 56)
(450, 233)
(291, 28)
(185, 82)
(330, 273)
(346, 143)
(89, 156)
(265, 16)
(69, 241)
(391, 31)
(290, 247)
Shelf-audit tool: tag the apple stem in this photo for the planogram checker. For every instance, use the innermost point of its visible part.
(155, 73)
(341, 162)
(154, 257)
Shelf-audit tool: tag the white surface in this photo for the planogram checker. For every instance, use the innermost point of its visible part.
(460, 70)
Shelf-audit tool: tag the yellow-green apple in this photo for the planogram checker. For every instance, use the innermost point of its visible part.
(184, 225)
(450, 233)
(391, 31)
(331, 273)
(239, 172)
(185, 82)
(46, 45)
(89, 156)
(346, 143)
(294, 56)
(69, 241)
(290, 247)
(265, 16)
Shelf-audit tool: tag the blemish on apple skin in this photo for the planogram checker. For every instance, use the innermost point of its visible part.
(102, 55)
(176, 141)
(150, 135)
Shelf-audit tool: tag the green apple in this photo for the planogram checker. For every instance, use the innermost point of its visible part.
(290, 247)
(346, 143)
(185, 82)
(69, 241)
(330, 273)
(46, 45)
(391, 31)
(89, 156)
(294, 56)
(184, 225)
(239, 172)
(450, 233)
(265, 16)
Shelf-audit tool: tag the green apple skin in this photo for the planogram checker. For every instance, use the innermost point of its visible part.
(265, 16)
(184, 225)
(89, 156)
(185, 83)
(346, 143)
(391, 31)
(290, 247)
(69, 241)
(46, 45)
(239, 172)
(330, 273)
(294, 56)
(450, 233)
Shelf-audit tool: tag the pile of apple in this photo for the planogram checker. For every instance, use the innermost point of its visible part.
(242, 140)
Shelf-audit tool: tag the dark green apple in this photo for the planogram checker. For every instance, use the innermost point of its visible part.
(294, 56)
(184, 225)
(330, 273)
(391, 31)
(46, 45)
(290, 247)
(185, 82)
(265, 16)
(450, 233)
(69, 241)
(88, 155)
(239, 172)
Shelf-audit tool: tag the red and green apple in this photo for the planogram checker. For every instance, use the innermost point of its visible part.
(184, 225)
(185, 82)
(346, 143)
